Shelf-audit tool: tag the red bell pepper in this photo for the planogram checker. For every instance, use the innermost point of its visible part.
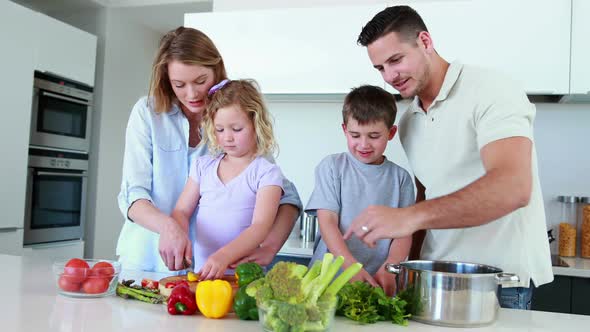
(172, 284)
(182, 301)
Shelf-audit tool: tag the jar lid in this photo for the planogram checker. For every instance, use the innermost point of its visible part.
(584, 200)
(568, 199)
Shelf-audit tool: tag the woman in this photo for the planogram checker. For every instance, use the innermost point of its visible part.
(162, 138)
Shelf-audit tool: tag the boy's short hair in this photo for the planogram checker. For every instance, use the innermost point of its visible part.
(368, 104)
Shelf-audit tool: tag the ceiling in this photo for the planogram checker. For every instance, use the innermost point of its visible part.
(159, 15)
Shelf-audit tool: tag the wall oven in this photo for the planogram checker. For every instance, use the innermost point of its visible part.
(61, 113)
(56, 196)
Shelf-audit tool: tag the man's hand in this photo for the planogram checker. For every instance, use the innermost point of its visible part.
(381, 222)
(174, 246)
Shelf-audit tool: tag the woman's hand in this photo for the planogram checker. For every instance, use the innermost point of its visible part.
(174, 245)
(214, 267)
(385, 280)
(364, 276)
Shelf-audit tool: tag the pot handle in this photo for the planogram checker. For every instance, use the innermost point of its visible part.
(392, 268)
(507, 278)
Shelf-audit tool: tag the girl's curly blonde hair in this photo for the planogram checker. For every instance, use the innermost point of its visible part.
(245, 94)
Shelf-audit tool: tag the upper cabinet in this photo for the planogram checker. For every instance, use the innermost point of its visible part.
(309, 50)
(580, 70)
(529, 40)
(65, 50)
(314, 50)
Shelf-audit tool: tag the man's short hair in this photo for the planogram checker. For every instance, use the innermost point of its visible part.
(369, 104)
(403, 20)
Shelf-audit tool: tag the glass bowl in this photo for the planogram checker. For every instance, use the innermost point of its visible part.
(74, 279)
(281, 316)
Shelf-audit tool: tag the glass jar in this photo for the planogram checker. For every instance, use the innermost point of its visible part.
(584, 226)
(567, 226)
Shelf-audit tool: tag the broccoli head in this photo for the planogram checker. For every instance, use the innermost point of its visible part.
(285, 280)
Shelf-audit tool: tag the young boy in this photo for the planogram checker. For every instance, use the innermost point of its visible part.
(347, 183)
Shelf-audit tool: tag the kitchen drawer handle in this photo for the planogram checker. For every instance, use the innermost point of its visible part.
(72, 100)
(8, 229)
(70, 175)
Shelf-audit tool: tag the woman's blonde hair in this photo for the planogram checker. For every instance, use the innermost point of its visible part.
(189, 46)
(244, 94)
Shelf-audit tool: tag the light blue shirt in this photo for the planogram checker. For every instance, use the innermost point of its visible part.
(156, 168)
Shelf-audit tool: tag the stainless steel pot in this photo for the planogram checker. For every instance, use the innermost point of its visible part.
(450, 293)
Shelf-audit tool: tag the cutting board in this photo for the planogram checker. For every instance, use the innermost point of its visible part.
(193, 284)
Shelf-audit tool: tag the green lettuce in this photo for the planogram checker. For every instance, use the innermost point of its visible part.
(366, 304)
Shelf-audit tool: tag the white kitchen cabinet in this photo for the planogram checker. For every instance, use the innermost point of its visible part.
(17, 33)
(529, 40)
(11, 241)
(303, 50)
(314, 50)
(65, 50)
(580, 69)
(56, 250)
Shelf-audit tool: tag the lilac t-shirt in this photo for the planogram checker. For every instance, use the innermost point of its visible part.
(225, 210)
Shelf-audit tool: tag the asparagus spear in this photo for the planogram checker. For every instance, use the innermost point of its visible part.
(139, 294)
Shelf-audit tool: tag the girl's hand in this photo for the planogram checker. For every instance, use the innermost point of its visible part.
(261, 255)
(214, 267)
(174, 246)
(364, 276)
(385, 280)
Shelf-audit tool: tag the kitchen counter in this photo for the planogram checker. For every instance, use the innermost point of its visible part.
(31, 303)
(578, 267)
(296, 247)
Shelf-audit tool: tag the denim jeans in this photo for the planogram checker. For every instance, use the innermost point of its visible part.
(516, 297)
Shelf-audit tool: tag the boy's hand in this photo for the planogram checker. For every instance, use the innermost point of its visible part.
(364, 276)
(386, 281)
(214, 267)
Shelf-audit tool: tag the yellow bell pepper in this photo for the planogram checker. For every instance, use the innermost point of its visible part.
(214, 298)
(191, 276)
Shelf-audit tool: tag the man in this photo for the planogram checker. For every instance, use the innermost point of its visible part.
(468, 136)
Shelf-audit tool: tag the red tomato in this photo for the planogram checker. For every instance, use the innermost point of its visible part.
(77, 262)
(76, 269)
(95, 285)
(67, 284)
(104, 269)
(149, 283)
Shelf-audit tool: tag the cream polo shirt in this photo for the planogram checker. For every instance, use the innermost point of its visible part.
(473, 108)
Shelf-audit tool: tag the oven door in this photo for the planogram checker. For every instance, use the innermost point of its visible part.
(56, 205)
(60, 121)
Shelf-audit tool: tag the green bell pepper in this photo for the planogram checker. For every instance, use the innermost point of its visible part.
(245, 305)
(248, 272)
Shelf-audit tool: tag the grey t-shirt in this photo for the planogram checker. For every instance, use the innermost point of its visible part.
(347, 186)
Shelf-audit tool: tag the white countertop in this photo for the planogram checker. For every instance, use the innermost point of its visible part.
(295, 247)
(31, 303)
(578, 267)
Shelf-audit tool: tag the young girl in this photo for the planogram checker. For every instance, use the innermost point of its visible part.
(236, 189)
